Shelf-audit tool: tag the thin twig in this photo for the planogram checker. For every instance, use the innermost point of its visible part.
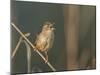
(48, 63)
(16, 48)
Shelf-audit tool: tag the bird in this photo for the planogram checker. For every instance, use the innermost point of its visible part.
(45, 39)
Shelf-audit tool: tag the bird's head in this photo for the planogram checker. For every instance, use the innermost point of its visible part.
(48, 26)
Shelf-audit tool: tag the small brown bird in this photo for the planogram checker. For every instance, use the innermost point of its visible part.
(45, 38)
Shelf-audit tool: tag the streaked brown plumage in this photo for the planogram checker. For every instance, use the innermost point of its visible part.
(44, 40)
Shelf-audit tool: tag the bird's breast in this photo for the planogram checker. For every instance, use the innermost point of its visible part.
(44, 41)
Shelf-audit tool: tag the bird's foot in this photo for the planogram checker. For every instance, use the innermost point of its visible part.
(46, 61)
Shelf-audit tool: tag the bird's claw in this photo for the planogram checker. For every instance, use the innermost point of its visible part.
(46, 61)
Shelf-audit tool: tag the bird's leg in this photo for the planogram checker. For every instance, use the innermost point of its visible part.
(46, 55)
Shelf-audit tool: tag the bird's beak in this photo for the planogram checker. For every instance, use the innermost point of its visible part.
(52, 26)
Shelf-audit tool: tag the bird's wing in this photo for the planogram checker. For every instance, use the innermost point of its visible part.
(40, 42)
(37, 39)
